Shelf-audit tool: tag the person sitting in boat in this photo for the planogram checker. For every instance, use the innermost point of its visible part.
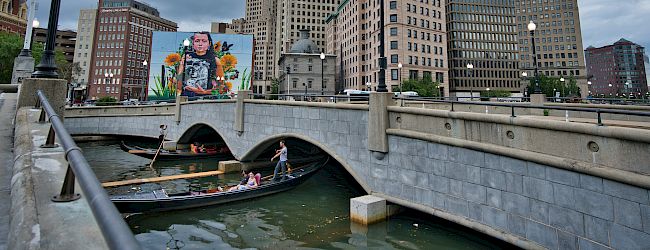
(194, 147)
(251, 182)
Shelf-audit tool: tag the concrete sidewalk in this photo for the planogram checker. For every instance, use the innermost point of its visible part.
(611, 123)
(7, 113)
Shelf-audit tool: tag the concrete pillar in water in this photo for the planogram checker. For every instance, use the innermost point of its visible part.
(230, 166)
(367, 209)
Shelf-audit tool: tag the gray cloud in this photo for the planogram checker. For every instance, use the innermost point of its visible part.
(191, 15)
(606, 21)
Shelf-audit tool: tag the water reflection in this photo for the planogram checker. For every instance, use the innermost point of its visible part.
(315, 215)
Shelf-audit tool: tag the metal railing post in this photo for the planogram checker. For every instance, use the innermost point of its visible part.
(600, 120)
(41, 117)
(513, 111)
(67, 190)
(51, 136)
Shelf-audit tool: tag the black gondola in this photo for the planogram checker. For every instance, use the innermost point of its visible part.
(171, 155)
(159, 200)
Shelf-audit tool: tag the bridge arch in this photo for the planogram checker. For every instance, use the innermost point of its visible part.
(198, 129)
(267, 142)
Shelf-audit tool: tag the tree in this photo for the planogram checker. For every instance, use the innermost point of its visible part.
(69, 71)
(275, 86)
(551, 85)
(425, 87)
(10, 47)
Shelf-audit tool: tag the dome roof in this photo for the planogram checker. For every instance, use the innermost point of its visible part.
(304, 45)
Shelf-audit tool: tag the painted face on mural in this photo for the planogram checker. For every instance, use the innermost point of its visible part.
(201, 43)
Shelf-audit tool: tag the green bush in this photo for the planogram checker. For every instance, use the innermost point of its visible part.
(495, 93)
(106, 101)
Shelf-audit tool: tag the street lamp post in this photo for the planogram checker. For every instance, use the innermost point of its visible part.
(29, 32)
(610, 89)
(108, 78)
(399, 75)
(144, 80)
(589, 87)
(305, 97)
(470, 66)
(562, 80)
(524, 75)
(186, 43)
(47, 68)
(532, 27)
(322, 73)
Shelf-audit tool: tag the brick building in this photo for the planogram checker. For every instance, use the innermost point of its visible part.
(122, 42)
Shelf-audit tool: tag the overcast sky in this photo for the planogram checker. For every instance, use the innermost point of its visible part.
(603, 21)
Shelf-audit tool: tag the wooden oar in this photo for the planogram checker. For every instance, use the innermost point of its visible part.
(157, 151)
(161, 179)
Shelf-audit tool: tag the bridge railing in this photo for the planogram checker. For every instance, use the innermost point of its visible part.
(314, 98)
(114, 229)
(514, 106)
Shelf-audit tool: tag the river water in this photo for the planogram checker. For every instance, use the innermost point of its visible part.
(315, 215)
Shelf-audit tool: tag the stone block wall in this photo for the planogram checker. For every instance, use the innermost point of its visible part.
(555, 208)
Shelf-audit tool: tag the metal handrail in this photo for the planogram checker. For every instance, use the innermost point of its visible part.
(513, 106)
(114, 229)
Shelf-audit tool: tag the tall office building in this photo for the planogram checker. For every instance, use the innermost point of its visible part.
(13, 16)
(121, 44)
(558, 39)
(415, 36)
(84, 43)
(275, 25)
(617, 69)
(484, 35)
(260, 21)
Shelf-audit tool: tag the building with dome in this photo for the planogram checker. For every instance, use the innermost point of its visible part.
(305, 69)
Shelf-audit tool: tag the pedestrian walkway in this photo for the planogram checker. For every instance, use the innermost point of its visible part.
(610, 123)
(7, 113)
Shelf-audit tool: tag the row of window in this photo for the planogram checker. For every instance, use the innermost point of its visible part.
(483, 46)
(484, 9)
(482, 27)
(463, 35)
(481, 18)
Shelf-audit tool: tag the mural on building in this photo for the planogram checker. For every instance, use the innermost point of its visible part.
(215, 65)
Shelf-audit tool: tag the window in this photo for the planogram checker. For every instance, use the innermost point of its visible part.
(393, 44)
(393, 31)
(394, 74)
(393, 18)
(394, 58)
(393, 5)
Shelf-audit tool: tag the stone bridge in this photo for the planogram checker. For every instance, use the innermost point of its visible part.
(531, 182)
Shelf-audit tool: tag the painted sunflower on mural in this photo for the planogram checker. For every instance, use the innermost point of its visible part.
(229, 62)
(172, 59)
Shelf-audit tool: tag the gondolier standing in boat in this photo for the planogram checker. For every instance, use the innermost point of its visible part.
(282, 153)
(163, 132)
